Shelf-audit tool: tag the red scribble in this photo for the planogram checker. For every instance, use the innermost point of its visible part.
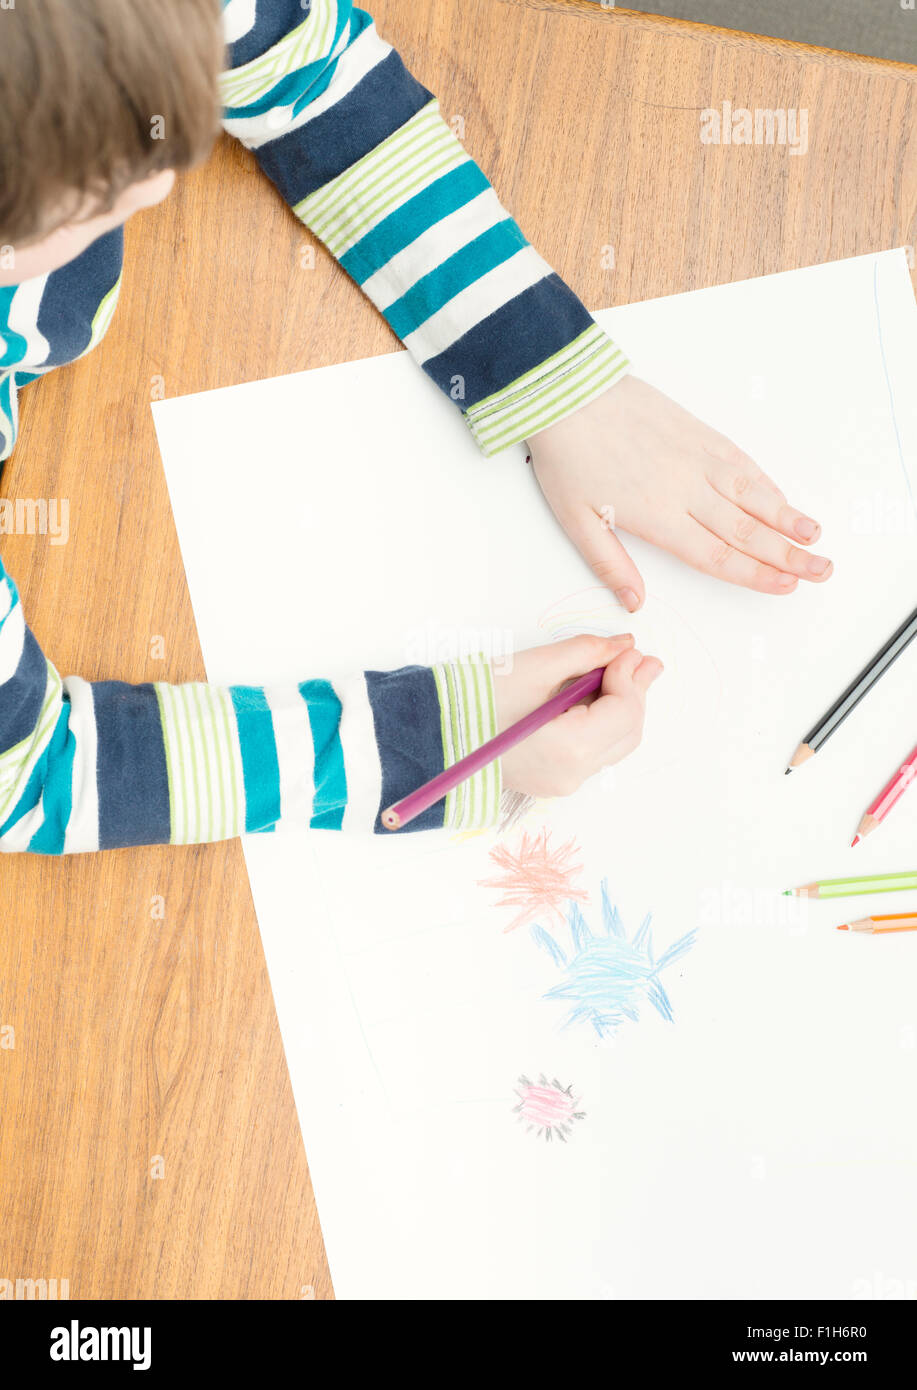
(536, 878)
(547, 1107)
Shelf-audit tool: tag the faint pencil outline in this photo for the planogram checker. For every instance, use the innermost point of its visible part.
(536, 878)
(607, 976)
(547, 1107)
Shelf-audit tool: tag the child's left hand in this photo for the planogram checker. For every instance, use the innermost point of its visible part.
(635, 459)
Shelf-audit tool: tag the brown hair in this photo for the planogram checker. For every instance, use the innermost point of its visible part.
(96, 95)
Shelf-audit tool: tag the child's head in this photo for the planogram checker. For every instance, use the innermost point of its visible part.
(100, 101)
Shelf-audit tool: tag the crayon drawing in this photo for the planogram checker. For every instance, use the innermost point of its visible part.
(536, 878)
(607, 976)
(547, 1108)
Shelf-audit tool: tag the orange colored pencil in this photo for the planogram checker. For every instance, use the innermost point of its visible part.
(891, 921)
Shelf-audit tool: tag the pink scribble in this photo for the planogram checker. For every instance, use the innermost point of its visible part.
(536, 878)
(547, 1107)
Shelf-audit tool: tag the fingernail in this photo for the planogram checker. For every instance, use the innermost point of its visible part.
(806, 528)
(628, 599)
(786, 581)
(818, 565)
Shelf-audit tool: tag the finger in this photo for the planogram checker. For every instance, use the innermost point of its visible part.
(699, 547)
(767, 481)
(740, 480)
(755, 538)
(574, 656)
(608, 560)
(619, 674)
(649, 670)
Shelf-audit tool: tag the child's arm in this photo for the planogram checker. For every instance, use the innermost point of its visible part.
(360, 151)
(96, 765)
(88, 765)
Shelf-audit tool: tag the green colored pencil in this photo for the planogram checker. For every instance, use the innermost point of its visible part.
(847, 887)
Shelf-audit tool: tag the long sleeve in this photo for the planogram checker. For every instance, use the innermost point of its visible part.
(360, 151)
(89, 765)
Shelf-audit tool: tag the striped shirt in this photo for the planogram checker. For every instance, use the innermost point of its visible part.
(360, 151)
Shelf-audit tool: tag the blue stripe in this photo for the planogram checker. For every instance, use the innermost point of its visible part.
(260, 769)
(23, 694)
(131, 775)
(73, 294)
(512, 340)
(306, 159)
(330, 780)
(408, 725)
(15, 343)
(30, 797)
(294, 87)
(408, 222)
(57, 794)
(455, 274)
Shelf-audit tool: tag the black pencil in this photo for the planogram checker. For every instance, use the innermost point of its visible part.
(822, 731)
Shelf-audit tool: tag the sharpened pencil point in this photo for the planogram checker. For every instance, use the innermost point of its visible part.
(788, 771)
(855, 841)
(843, 927)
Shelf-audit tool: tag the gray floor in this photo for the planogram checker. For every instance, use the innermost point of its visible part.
(881, 28)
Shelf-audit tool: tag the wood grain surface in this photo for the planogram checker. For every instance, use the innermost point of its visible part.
(149, 1145)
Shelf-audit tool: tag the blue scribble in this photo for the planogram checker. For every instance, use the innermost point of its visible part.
(607, 976)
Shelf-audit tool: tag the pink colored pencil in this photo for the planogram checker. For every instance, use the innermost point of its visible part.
(887, 797)
(414, 804)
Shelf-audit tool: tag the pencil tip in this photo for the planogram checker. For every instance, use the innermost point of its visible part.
(787, 892)
(843, 927)
(788, 771)
(855, 841)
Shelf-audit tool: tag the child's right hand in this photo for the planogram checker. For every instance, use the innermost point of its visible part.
(557, 759)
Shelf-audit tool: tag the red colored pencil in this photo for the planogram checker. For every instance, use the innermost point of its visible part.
(887, 797)
(410, 806)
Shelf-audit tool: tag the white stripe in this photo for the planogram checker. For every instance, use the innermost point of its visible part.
(23, 319)
(427, 251)
(82, 831)
(18, 836)
(295, 754)
(238, 19)
(365, 53)
(362, 766)
(475, 303)
(6, 594)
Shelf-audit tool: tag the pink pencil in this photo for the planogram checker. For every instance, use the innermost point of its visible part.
(410, 806)
(887, 798)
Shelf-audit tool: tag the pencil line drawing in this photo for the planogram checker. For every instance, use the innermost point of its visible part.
(888, 384)
(594, 610)
(606, 976)
(536, 878)
(547, 1108)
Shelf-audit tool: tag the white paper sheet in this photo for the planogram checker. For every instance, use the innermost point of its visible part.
(764, 1143)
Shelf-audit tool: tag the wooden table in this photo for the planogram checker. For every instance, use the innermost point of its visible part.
(149, 1145)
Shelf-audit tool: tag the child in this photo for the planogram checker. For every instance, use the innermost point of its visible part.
(100, 102)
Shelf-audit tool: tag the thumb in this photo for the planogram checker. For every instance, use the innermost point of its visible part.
(610, 562)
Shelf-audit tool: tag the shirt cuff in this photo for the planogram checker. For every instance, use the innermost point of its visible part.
(469, 719)
(555, 388)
